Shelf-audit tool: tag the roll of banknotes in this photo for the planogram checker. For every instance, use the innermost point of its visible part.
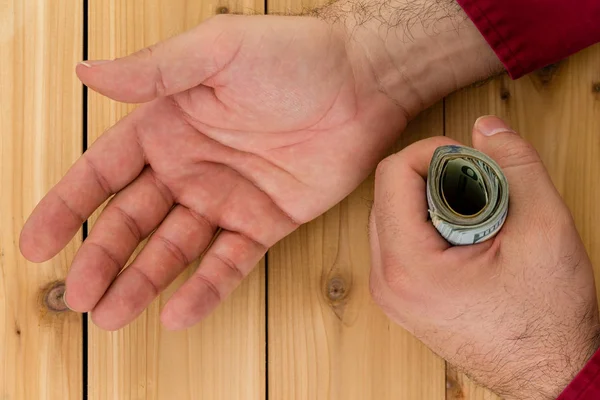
(467, 194)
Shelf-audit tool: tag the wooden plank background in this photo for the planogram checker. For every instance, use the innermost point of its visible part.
(40, 137)
(302, 328)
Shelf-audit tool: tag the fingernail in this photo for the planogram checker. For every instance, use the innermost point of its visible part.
(93, 63)
(490, 125)
(64, 298)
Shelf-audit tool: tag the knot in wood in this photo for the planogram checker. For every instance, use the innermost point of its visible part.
(453, 389)
(547, 73)
(222, 10)
(54, 299)
(336, 289)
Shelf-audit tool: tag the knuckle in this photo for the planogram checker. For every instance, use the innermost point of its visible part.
(557, 224)
(562, 220)
(230, 265)
(210, 286)
(387, 220)
(130, 222)
(161, 88)
(517, 153)
(146, 52)
(100, 179)
(378, 296)
(394, 276)
(384, 166)
(173, 249)
(147, 280)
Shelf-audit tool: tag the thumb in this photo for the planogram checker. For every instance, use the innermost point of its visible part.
(530, 184)
(166, 68)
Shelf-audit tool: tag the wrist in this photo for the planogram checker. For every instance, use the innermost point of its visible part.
(417, 51)
(574, 364)
(545, 373)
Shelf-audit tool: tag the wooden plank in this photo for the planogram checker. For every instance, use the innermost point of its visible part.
(224, 356)
(40, 137)
(558, 110)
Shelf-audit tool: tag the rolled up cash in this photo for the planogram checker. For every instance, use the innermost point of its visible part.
(467, 194)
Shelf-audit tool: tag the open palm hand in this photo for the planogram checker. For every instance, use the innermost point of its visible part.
(251, 126)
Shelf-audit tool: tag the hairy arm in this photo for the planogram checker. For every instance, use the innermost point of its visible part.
(415, 49)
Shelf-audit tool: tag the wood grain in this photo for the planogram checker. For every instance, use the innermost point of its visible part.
(224, 356)
(558, 110)
(40, 137)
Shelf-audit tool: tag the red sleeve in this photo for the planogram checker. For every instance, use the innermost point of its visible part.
(530, 34)
(586, 385)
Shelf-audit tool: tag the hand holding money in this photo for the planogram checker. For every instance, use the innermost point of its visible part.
(517, 309)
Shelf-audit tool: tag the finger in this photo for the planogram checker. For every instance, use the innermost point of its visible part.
(180, 239)
(380, 292)
(114, 160)
(231, 257)
(129, 218)
(400, 207)
(527, 177)
(169, 67)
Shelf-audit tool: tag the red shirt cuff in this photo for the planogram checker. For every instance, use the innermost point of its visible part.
(586, 385)
(530, 34)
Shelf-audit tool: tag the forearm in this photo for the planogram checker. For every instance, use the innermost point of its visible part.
(416, 50)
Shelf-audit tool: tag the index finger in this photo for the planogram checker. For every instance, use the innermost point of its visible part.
(400, 208)
(114, 160)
